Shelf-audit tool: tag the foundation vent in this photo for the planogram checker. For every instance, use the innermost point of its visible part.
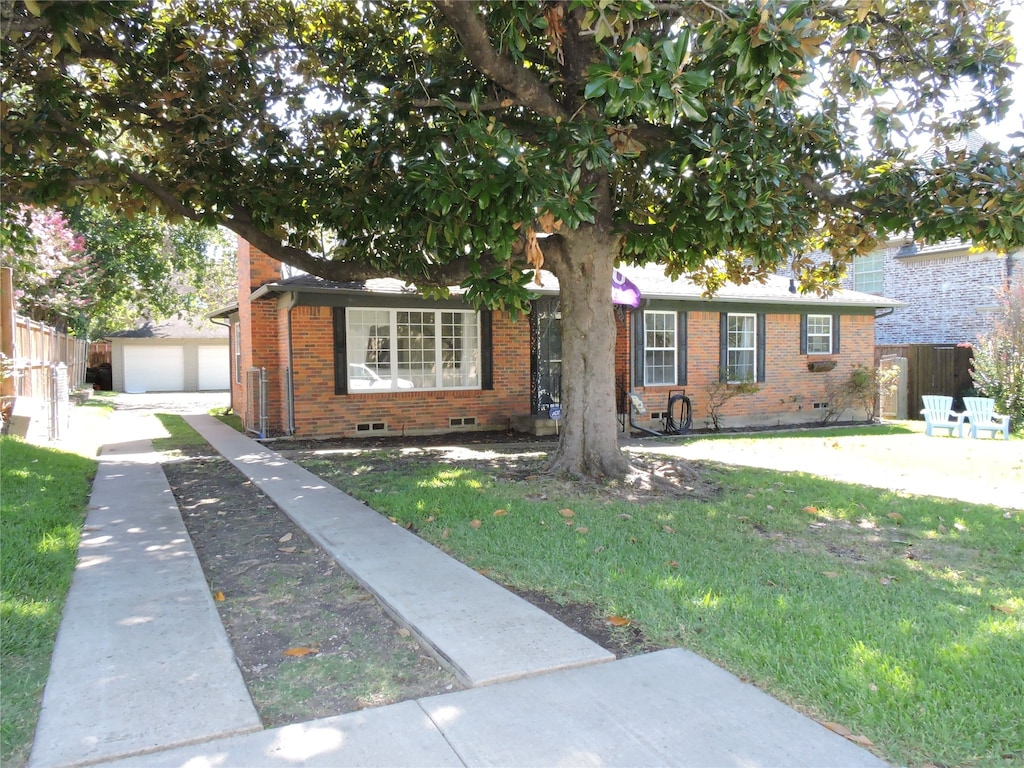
(372, 426)
(462, 421)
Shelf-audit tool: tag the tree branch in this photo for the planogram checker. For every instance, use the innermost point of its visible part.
(338, 270)
(486, 106)
(814, 187)
(529, 90)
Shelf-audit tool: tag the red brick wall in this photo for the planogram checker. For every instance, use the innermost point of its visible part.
(259, 330)
(790, 391)
(302, 337)
(321, 413)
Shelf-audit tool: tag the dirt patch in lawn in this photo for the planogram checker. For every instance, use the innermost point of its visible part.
(310, 641)
(516, 457)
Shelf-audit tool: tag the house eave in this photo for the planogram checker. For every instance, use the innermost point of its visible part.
(805, 302)
(550, 287)
(223, 312)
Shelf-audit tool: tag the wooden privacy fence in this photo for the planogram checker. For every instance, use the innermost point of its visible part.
(37, 347)
(932, 370)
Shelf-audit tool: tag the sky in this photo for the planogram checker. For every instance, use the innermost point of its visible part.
(1014, 121)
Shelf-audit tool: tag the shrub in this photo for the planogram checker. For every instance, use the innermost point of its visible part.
(861, 389)
(998, 365)
(719, 393)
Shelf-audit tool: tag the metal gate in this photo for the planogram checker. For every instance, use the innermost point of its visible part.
(256, 401)
(60, 401)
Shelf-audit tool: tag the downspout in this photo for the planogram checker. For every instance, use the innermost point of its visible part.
(289, 390)
(231, 357)
(885, 312)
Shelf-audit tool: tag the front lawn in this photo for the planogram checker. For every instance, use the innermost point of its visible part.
(44, 497)
(900, 617)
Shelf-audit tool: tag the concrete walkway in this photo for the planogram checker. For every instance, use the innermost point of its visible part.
(483, 632)
(142, 660)
(143, 675)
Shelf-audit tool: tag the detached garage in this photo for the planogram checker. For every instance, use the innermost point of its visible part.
(173, 356)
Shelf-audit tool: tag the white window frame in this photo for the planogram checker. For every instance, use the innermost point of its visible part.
(445, 355)
(237, 339)
(869, 273)
(736, 349)
(661, 343)
(817, 334)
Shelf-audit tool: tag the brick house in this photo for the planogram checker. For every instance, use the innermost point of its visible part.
(311, 358)
(947, 289)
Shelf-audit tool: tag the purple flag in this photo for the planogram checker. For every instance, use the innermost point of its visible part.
(623, 291)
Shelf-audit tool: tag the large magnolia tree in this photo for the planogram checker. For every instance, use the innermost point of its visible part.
(455, 142)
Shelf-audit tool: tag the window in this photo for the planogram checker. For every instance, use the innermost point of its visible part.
(660, 345)
(388, 349)
(868, 272)
(238, 351)
(741, 348)
(819, 334)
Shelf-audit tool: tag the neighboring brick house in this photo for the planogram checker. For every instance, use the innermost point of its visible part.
(318, 359)
(948, 291)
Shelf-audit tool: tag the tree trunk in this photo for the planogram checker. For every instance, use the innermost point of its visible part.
(589, 438)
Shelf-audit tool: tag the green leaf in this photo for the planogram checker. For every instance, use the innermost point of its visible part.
(595, 88)
(692, 109)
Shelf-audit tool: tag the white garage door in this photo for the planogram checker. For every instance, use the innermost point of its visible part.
(154, 368)
(214, 367)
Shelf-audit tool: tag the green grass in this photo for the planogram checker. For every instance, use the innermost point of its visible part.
(44, 498)
(180, 436)
(229, 417)
(900, 617)
(103, 401)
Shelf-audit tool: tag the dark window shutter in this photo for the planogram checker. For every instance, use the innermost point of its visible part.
(723, 346)
(803, 334)
(835, 334)
(639, 348)
(681, 344)
(486, 350)
(340, 352)
(761, 342)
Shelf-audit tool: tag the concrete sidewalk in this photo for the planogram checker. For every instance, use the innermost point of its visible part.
(482, 632)
(165, 691)
(142, 660)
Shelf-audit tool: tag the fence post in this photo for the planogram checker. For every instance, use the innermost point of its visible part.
(7, 382)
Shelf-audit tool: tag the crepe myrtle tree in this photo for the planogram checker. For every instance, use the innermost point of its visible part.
(454, 142)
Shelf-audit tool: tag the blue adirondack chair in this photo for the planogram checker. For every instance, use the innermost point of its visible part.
(937, 412)
(981, 415)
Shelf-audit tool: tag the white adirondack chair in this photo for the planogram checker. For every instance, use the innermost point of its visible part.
(937, 412)
(981, 414)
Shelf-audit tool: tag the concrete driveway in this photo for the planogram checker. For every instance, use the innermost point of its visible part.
(172, 402)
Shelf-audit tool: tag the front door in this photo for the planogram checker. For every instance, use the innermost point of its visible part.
(546, 343)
